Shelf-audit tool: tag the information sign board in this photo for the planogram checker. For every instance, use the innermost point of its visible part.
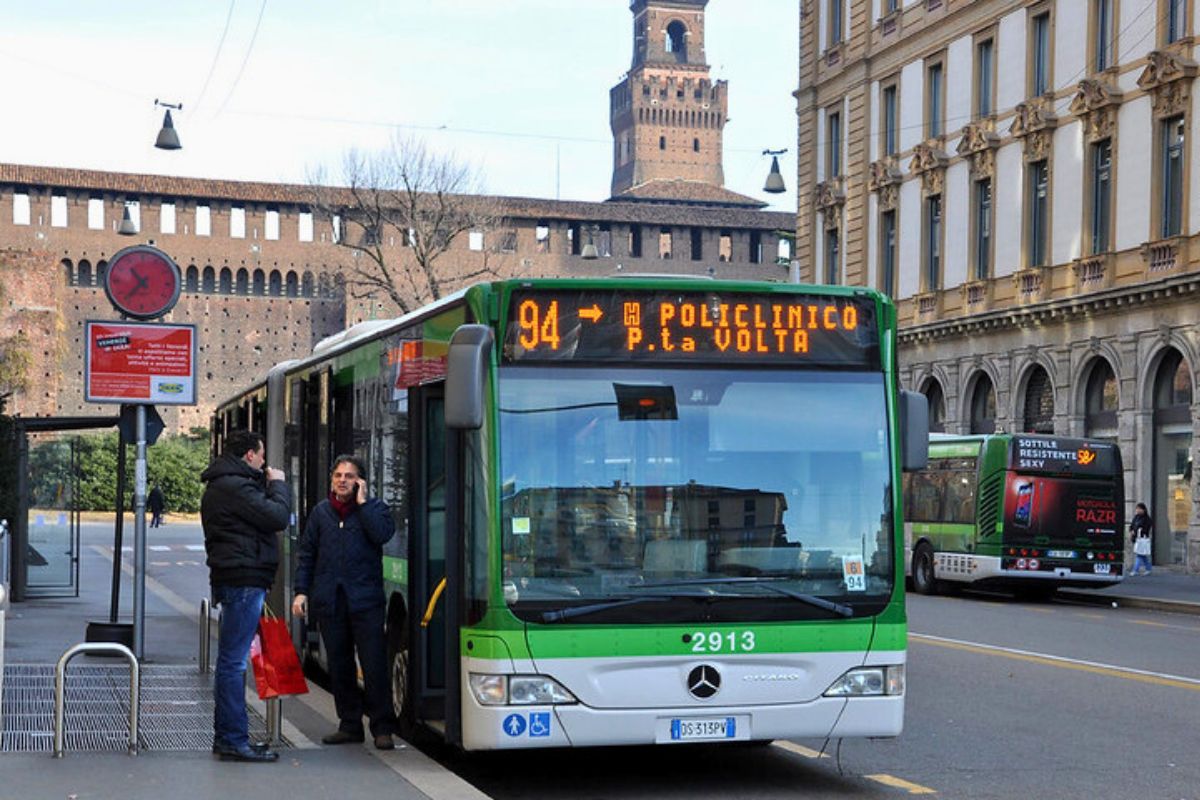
(140, 362)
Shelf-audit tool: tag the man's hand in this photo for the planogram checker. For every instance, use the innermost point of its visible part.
(274, 474)
(362, 491)
(300, 606)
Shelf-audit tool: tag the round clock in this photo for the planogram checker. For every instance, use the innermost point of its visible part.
(142, 282)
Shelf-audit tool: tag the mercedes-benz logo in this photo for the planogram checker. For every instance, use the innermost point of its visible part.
(704, 681)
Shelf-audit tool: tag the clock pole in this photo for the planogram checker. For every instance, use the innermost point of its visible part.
(139, 536)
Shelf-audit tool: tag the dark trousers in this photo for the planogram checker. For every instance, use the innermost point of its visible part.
(344, 632)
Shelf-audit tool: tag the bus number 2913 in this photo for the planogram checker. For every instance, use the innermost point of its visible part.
(716, 642)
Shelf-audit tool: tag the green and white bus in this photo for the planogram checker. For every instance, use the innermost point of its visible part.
(1017, 511)
(629, 510)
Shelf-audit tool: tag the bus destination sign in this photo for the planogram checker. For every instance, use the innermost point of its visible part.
(680, 327)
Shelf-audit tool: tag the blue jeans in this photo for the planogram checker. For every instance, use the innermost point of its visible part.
(241, 606)
(1140, 562)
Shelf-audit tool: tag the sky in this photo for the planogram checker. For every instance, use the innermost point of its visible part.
(273, 90)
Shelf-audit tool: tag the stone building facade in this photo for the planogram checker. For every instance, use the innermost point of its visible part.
(1019, 175)
(263, 279)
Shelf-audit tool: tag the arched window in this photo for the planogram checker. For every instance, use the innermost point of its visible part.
(85, 273)
(1038, 416)
(208, 281)
(983, 406)
(675, 41)
(226, 285)
(306, 284)
(292, 284)
(275, 283)
(324, 285)
(192, 280)
(68, 271)
(260, 282)
(101, 271)
(243, 282)
(1171, 505)
(937, 406)
(1100, 401)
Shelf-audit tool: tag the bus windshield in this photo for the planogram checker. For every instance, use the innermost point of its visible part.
(668, 483)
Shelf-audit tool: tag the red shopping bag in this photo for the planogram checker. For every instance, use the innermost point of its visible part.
(277, 669)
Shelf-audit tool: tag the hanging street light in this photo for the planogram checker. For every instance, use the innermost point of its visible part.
(127, 228)
(168, 139)
(774, 184)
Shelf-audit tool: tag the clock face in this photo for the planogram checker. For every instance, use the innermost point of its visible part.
(142, 282)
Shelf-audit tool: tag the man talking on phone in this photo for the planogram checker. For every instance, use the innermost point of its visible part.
(339, 581)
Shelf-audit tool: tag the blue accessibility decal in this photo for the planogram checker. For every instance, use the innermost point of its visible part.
(514, 724)
(539, 723)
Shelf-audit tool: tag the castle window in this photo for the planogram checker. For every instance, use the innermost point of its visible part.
(475, 241)
(725, 246)
(58, 211)
(695, 145)
(755, 247)
(292, 285)
(226, 283)
(203, 221)
(259, 282)
(662, 143)
(271, 224)
(305, 224)
(635, 241)
(192, 281)
(675, 41)
(542, 235)
(697, 244)
(508, 243)
(664, 243)
(208, 281)
(166, 218)
(275, 283)
(95, 213)
(243, 281)
(237, 222)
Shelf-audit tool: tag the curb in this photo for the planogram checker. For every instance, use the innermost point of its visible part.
(1132, 601)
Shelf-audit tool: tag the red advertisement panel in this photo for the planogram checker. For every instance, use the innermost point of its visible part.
(140, 362)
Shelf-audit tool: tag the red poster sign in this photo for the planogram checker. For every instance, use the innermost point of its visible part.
(140, 362)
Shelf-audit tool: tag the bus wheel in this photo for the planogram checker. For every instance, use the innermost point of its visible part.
(922, 570)
(398, 666)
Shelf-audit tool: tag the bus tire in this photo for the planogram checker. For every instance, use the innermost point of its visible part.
(923, 578)
(398, 674)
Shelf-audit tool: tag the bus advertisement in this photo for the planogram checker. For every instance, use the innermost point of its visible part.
(628, 510)
(1019, 511)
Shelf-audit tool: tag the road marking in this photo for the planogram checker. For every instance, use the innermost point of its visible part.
(1110, 670)
(159, 548)
(899, 783)
(1156, 624)
(1091, 616)
(196, 548)
(798, 749)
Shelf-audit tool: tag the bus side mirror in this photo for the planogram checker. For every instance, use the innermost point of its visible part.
(914, 430)
(466, 375)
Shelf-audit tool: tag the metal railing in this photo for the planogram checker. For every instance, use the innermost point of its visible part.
(60, 691)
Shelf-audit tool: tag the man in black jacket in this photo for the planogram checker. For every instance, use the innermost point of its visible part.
(244, 504)
(341, 564)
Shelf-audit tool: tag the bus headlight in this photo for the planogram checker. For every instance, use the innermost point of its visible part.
(518, 690)
(869, 682)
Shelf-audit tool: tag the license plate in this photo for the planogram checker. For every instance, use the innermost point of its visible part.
(1102, 569)
(1060, 554)
(683, 730)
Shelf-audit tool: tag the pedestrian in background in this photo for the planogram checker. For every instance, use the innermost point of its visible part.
(245, 503)
(156, 504)
(1141, 533)
(340, 567)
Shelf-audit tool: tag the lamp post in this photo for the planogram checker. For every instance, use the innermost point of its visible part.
(127, 226)
(167, 139)
(774, 184)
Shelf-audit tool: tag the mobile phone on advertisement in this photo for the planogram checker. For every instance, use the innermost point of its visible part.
(1024, 505)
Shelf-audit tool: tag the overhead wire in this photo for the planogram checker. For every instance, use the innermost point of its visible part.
(245, 59)
(217, 55)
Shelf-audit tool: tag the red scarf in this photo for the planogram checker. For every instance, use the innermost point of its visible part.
(343, 509)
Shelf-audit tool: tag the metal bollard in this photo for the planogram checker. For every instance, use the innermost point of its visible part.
(205, 635)
(60, 690)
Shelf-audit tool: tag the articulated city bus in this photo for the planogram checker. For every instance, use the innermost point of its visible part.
(629, 510)
(1017, 511)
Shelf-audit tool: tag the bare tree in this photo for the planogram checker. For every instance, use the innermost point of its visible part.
(399, 211)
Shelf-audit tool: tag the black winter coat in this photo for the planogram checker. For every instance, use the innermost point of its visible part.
(347, 553)
(241, 512)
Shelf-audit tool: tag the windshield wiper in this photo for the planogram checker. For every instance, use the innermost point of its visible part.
(767, 583)
(578, 611)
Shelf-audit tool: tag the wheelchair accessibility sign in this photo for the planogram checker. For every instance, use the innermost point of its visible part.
(538, 724)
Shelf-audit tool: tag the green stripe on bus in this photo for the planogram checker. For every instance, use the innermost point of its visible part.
(395, 569)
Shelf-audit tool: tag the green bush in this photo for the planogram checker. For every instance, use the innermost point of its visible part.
(173, 462)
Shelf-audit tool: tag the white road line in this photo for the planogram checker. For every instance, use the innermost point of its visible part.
(195, 548)
(158, 548)
(1074, 662)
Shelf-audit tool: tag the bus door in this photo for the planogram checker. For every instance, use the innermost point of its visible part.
(433, 588)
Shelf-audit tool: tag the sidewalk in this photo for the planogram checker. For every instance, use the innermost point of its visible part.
(1164, 589)
(40, 630)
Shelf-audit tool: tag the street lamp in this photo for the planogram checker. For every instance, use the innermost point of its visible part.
(774, 184)
(589, 251)
(168, 139)
(127, 226)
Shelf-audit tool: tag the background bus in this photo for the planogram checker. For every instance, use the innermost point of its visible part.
(1019, 511)
(630, 510)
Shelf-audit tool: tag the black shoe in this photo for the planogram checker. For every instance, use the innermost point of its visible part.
(384, 741)
(218, 748)
(342, 737)
(249, 754)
